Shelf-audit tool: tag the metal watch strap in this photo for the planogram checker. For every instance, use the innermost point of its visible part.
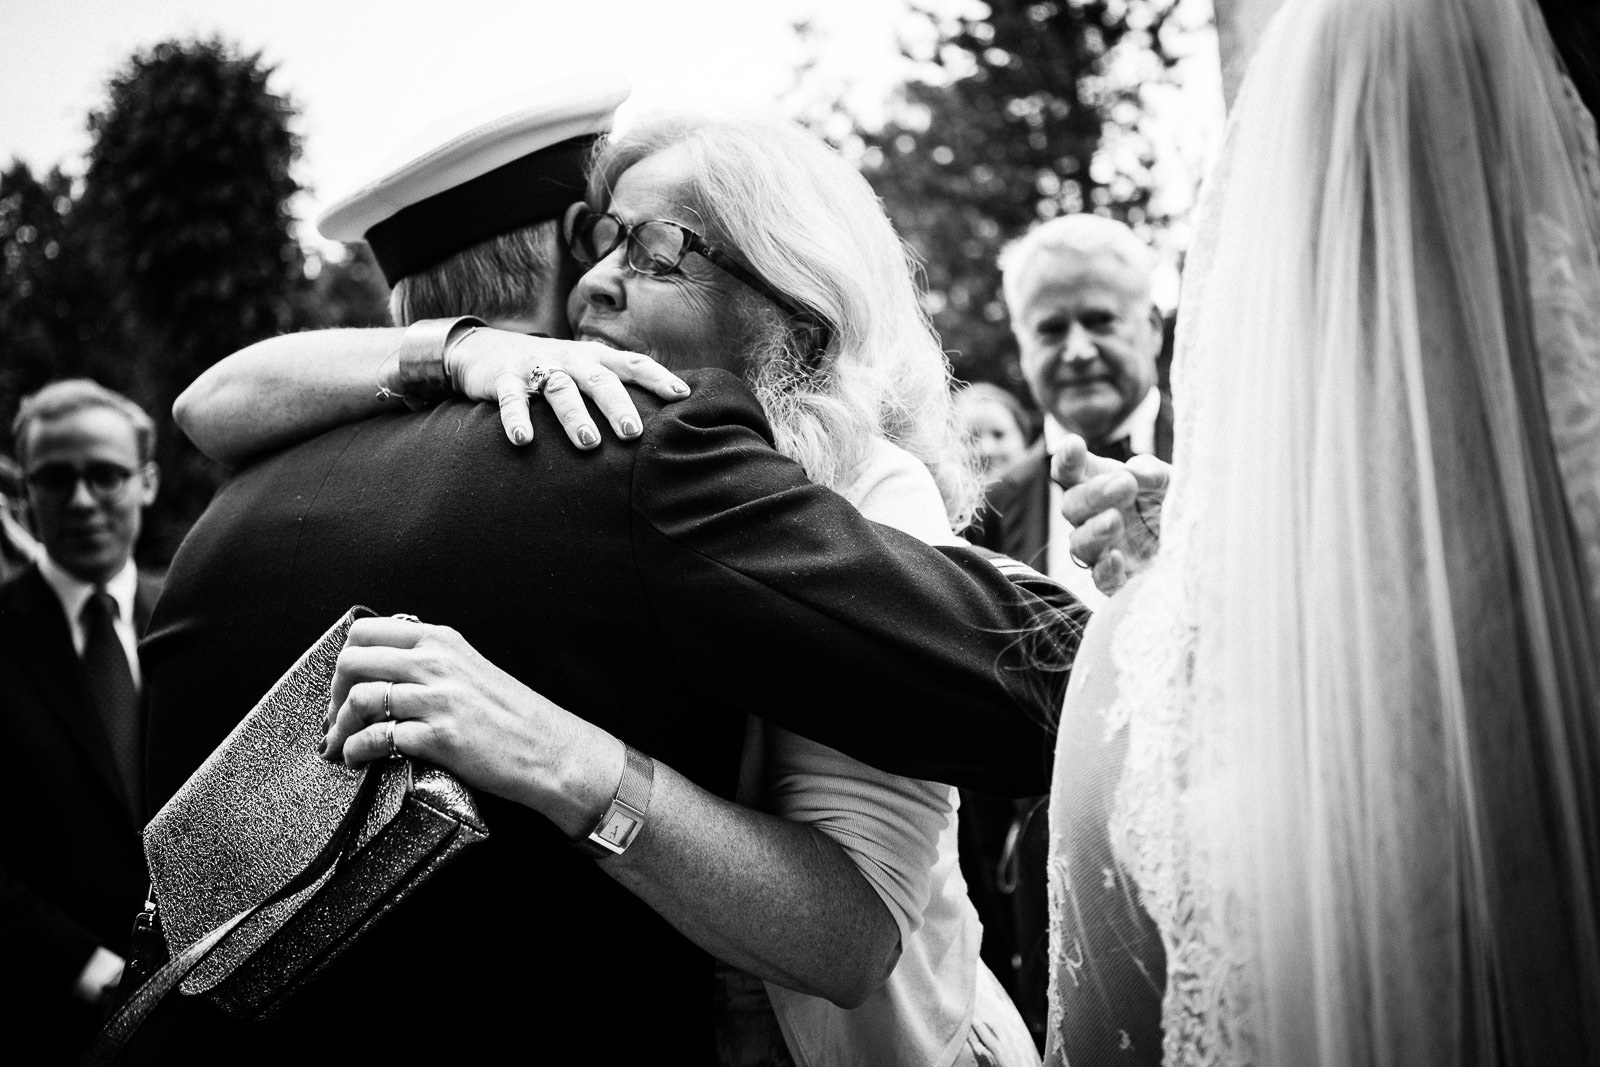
(626, 815)
(421, 370)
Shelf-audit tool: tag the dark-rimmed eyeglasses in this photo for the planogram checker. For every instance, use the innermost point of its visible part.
(657, 247)
(106, 482)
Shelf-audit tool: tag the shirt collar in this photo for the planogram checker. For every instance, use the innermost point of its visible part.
(74, 592)
(1139, 427)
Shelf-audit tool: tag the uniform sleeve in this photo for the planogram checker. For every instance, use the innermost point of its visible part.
(927, 663)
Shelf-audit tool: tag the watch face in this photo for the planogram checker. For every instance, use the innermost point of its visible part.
(619, 828)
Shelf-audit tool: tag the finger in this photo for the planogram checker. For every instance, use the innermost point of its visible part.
(511, 393)
(1105, 492)
(564, 398)
(361, 706)
(372, 704)
(1075, 464)
(1090, 541)
(387, 630)
(359, 664)
(1067, 466)
(1152, 474)
(1111, 573)
(636, 369)
(602, 386)
(385, 739)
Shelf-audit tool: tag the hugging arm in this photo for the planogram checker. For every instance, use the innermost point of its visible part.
(290, 388)
(927, 663)
(773, 897)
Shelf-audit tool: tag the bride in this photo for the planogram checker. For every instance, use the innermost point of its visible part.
(1327, 774)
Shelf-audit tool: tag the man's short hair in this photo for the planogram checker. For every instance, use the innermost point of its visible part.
(1082, 233)
(501, 278)
(72, 395)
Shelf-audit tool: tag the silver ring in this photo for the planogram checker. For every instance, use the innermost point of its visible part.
(394, 750)
(388, 712)
(538, 378)
(1073, 556)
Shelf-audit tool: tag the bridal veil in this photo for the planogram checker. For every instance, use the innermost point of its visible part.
(1361, 682)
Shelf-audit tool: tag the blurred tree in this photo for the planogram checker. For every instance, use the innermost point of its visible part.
(185, 213)
(47, 327)
(175, 249)
(1024, 109)
(345, 292)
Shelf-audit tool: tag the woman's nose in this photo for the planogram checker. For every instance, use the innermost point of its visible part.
(601, 285)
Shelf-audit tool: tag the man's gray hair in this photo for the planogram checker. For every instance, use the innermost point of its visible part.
(869, 364)
(1082, 233)
(72, 395)
(501, 278)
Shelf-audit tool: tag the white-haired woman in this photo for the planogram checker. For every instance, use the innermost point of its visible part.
(1328, 777)
(750, 246)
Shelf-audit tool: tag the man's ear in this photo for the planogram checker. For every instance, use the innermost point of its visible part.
(1158, 330)
(151, 475)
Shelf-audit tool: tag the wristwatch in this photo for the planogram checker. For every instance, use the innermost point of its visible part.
(629, 808)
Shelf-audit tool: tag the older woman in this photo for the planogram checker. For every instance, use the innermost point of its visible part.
(749, 246)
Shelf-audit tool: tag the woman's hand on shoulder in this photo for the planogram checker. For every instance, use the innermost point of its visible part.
(509, 368)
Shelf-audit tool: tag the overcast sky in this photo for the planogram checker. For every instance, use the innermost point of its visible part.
(365, 74)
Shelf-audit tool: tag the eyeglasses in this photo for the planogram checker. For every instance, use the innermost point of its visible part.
(657, 247)
(106, 482)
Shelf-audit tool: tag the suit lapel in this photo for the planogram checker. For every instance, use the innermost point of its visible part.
(144, 602)
(35, 626)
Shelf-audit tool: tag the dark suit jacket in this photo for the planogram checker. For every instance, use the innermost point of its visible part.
(1012, 902)
(662, 589)
(72, 874)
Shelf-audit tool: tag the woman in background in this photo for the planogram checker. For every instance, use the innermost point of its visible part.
(997, 423)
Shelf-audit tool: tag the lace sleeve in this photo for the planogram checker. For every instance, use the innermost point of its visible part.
(1107, 960)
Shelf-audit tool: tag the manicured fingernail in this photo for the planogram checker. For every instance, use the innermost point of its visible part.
(629, 427)
(588, 438)
(679, 387)
(519, 436)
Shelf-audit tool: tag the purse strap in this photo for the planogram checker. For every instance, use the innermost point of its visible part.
(133, 1011)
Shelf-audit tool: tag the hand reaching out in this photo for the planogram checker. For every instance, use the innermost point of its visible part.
(1114, 508)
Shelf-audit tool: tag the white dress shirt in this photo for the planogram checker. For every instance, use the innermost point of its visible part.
(74, 593)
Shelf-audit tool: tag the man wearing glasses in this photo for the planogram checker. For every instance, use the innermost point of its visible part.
(72, 876)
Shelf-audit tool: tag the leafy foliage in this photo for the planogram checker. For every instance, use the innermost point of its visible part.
(46, 288)
(1025, 109)
(176, 249)
(186, 211)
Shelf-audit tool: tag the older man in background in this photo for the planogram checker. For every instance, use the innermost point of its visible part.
(1088, 333)
(72, 874)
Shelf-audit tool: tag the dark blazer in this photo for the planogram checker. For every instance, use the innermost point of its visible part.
(663, 589)
(72, 874)
(1007, 882)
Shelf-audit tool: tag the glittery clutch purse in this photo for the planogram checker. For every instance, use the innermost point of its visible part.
(270, 861)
